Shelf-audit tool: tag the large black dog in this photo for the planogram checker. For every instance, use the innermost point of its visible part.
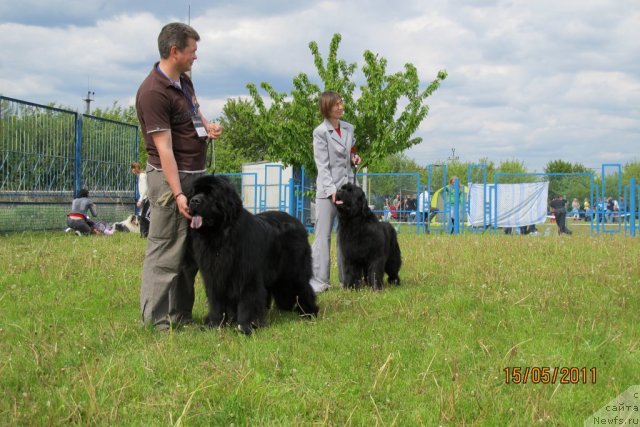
(246, 260)
(369, 247)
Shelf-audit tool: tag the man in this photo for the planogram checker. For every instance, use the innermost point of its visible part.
(175, 134)
(423, 209)
(558, 206)
(143, 201)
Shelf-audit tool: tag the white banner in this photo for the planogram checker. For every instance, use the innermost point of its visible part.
(517, 204)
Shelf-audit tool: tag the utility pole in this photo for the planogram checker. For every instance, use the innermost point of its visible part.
(453, 158)
(87, 100)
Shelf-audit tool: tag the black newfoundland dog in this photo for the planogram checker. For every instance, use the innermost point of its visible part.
(369, 247)
(247, 260)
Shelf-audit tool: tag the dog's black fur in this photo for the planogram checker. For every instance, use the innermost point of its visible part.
(246, 260)
(369, 247)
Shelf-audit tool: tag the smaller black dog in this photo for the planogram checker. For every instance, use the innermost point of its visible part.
(369, 247)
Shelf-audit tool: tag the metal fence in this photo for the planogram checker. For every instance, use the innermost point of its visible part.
(48, 154)
(275, 191)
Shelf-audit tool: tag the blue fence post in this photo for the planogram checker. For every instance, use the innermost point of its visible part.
(300, 198)
(456, 206)
(292, 198)
(618, 169)
(632, 207)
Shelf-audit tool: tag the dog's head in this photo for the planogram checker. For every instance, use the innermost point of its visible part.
(134, 220)
(213, 202)
(351, 201)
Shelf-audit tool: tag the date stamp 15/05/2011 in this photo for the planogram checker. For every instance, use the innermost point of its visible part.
(550, 375)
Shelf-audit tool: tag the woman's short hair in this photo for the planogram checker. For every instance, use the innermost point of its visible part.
(83, 193)
(135, 166)
(327, 101)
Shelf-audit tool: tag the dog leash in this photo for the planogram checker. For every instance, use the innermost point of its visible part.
(212, 156)
(355, 171)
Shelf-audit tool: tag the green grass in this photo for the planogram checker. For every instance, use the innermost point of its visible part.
(431, 352)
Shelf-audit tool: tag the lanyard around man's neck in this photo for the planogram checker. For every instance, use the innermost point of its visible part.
(178, 84)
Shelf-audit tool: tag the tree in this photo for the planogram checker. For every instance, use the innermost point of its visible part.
(380, 128)
(239, 143)
(569, 186)
(128, 115)
(390, 185)
(515, 168)
(631, 170)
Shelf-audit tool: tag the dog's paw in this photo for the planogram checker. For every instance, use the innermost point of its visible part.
(245, 329)
(395, 281)
(214, 322)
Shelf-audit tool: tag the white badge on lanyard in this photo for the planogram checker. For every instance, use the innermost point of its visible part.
(197, 123)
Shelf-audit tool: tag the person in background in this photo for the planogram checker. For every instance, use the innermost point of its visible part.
(450, 194)
(386, 211)
(587, 210)
(616, 211)
(622, 209)
(600, 210)
(333, 143)
(397, 203)
(558, 206)
(78, 219)
(423, 209)
(142, 203)
(575, 209)
(175, 134)
(609, 207)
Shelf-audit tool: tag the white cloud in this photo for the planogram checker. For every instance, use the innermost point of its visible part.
(536, 81)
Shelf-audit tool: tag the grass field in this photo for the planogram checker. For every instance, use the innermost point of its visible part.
(431, 352)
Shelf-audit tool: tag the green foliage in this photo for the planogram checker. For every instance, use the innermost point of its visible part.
(381, 128)
(37, 147)
(577, 186)
(128, 115)
(430, 352)
(631, 170)
(240, 142)
(515, 167)
(285, 128)
(558, 166)
(389, 186)
(459, 170)
(118, 113)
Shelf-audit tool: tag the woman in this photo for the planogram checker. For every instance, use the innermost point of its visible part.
(143, 201)
(334, 154)
(450, 194)
(587, 210)
(575, 209)
(77, 219)
(386, 210)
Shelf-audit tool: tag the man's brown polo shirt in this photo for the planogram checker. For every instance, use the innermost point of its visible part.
(162, 106)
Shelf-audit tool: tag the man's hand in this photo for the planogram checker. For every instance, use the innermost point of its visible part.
(214, 130)
(183, 206)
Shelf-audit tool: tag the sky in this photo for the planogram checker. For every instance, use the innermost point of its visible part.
(532, 81)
